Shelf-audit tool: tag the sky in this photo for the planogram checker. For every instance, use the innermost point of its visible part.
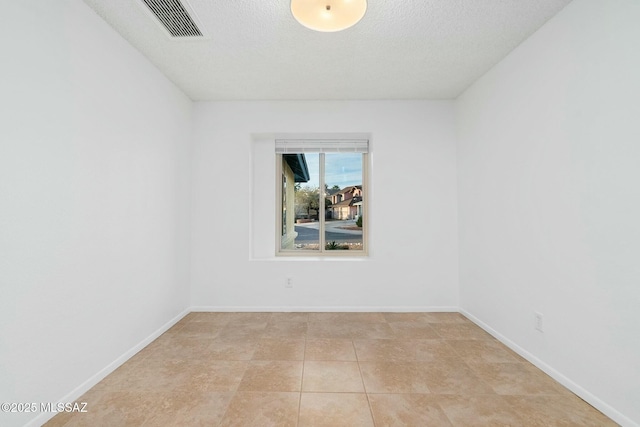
(341, 169)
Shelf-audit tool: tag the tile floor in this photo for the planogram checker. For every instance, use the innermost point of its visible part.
(329, 369)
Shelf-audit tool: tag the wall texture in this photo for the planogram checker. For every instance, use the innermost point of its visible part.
(413, 254)
(549, 200)
(94, 152)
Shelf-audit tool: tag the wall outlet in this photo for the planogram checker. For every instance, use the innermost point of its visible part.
(538, 321)
(289, 282)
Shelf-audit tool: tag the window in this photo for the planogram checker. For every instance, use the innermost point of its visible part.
(322, 199)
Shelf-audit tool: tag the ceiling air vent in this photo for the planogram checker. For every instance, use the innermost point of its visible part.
(174, 17)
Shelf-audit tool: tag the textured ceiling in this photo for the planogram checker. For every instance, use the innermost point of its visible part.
(402, 49)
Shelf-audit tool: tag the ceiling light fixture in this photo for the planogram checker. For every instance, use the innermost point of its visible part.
(328, 15)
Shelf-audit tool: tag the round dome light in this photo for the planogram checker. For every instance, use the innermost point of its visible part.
(328, 15)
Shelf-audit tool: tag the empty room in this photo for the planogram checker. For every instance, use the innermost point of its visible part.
(320, 213)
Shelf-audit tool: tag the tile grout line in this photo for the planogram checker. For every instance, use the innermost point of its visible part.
(304, 358)
(233, 395)
(364, 387)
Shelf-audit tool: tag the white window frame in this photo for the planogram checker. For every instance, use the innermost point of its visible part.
(323, 146)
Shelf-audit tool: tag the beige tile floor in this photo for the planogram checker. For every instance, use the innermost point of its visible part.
(329, 369)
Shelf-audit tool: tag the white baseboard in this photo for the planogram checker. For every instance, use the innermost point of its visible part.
(327, 309)
(585, 395)
(75, 394)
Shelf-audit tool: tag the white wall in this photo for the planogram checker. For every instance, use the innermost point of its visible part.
(413, 244)
(549, 200)
(94, 206)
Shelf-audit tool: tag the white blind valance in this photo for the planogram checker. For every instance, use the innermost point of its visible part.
(284, 146)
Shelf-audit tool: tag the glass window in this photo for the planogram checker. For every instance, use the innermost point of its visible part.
(323, 203)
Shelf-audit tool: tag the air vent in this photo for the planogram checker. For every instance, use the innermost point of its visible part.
(173, 15)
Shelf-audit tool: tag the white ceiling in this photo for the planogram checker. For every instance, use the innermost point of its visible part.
(402, 49)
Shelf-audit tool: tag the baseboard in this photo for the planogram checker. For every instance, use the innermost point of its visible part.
(322, 309)
(568, 383)
(75, 394)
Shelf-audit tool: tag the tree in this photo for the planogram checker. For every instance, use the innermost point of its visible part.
(307, 199)
(327, 200)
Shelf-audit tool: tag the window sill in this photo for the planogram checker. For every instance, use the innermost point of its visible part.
(298, 258)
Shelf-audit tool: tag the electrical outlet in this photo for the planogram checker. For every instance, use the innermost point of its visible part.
(538, 321)
(289, 282)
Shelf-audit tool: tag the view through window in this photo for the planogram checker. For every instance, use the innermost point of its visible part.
(323, 203)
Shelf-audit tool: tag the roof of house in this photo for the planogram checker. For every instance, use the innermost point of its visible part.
(298, 164)
(350, 188)
(347, 202)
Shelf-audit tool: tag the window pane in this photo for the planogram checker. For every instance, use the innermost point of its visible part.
(300, 202)
(343, 201)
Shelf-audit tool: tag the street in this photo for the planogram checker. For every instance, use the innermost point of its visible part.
(308, 232)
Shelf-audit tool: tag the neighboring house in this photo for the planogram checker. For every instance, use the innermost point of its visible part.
(330, 192)
(346, 203)
(294, 169)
